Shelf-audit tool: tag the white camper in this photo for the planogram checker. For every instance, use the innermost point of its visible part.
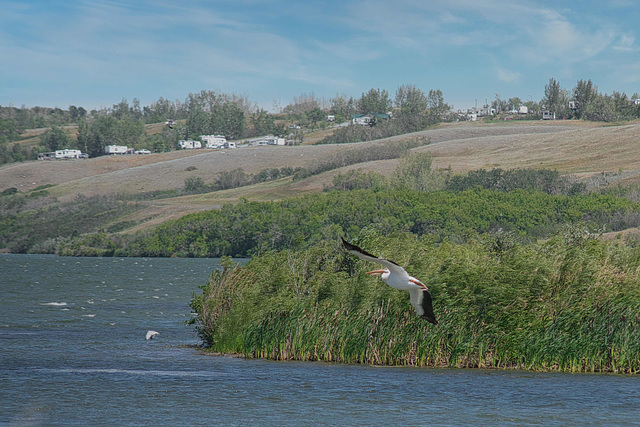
(213, 141)
(274, 140)
(548, 115)
(188, 144)
(68, 154)
(115, 149)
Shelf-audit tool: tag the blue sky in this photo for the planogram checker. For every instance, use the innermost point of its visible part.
(95, 53)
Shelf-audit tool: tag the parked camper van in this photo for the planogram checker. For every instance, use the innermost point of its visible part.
(115, 149)
(213, 141)
(68, 154)
(189, 144)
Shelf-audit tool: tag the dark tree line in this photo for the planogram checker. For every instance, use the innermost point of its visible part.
(234, 116)
(585, 102)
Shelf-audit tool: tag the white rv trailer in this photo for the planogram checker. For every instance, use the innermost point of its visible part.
(68, 154)
(213, 141)
(115, 149)
(189, 144)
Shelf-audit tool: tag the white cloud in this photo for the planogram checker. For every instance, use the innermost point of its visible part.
(507, 76)
(626, 43)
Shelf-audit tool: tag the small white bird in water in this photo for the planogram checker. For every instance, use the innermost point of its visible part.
(151, 334)
(396, 277)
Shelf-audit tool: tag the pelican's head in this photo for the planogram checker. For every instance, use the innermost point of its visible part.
(383, 273)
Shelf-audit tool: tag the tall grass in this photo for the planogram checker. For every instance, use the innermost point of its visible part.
(562, 305)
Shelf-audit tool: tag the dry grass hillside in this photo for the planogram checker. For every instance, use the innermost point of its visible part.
(575, 147)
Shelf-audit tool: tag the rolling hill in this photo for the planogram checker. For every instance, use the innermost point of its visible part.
(581, 148)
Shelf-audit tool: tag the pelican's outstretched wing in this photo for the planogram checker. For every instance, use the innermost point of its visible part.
(364, 255)
(422, 302)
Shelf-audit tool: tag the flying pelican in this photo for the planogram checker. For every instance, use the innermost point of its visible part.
(151, 334)
(396, 277)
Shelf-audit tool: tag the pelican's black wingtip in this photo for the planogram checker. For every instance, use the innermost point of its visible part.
(430, 319)
(347, 245)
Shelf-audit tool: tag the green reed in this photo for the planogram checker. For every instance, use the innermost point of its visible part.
(568, 304)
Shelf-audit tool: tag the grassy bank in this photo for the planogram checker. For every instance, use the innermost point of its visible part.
(571, 303)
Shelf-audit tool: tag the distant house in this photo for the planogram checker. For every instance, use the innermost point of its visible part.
(368, 119)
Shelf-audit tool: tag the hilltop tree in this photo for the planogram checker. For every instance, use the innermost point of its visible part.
(77, 113)
(302, 105)
(342, 107)
(315, 115)
(262, 122)
(624, 106)
(55, 138)
(228, 119)
(437, 106)
(584, 93)
(374, 101)
(410, 100)
(97, 133)
(601, 108)
(515, 103)
(211, 113)
(555, 98)
(500, 105)
(412, 105)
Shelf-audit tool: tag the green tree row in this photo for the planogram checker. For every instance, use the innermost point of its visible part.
(248, 228)
(586, 102)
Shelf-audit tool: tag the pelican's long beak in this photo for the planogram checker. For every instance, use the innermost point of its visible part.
(375, 272)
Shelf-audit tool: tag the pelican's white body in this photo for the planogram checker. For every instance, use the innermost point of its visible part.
(397, 277)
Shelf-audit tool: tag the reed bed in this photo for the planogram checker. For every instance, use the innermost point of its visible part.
(570, 304)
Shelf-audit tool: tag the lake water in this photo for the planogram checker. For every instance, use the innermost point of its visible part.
(73, 352)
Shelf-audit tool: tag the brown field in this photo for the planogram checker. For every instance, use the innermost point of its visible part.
(575, 147)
